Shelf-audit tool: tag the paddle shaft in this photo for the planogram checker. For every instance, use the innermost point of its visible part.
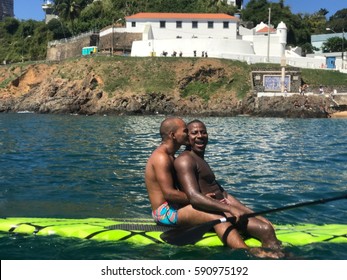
(288, 207)
(190, 235)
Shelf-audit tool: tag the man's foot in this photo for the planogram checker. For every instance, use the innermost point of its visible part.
(273, 244)
(266, 253)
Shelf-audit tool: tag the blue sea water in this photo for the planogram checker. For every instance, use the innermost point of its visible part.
(72, 166)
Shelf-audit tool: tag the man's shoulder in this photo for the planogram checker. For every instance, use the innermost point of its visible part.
(159, 153)
(184, 154)
(184, 158)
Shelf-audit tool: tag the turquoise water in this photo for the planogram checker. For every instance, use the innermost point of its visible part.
(92, 166)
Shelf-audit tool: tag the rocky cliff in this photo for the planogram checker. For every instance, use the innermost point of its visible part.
(88, 86)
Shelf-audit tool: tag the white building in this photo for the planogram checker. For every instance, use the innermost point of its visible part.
(266, 40)
(47, 7)
(319, 39)
(335, 60)
(217, 35)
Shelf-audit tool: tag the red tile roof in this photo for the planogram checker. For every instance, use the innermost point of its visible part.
(182, 16)
(266, 30)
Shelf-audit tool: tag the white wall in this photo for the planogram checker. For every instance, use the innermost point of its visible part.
(260, 45)
(186, 32)
(213, 47)
(108, 30)
(227, 49)
(252, 49)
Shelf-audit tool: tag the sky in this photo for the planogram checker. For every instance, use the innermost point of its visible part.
(312, 6)
(31, 9)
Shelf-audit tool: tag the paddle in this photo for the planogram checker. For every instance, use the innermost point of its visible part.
(189, 235)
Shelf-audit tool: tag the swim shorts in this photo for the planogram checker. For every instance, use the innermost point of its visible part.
(165, 214)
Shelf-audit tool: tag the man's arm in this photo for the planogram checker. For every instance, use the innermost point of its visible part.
(243, 207)
(164, 169)
(186, 172)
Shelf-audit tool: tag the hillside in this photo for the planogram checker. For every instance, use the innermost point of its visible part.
(126, 85)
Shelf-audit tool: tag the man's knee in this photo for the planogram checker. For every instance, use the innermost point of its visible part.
(226, 234)
(266, 230)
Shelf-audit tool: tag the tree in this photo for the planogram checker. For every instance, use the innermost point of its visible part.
(316, 22)
(11, 25)
(59, 31)
(28, 27)
(334, 44)
(257, 11)
(308, 48)
(68, 10)
(338, 21)
(23, 38)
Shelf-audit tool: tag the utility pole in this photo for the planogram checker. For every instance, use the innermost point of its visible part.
(23, 45)
(268, 37)
(283, 75)
(112, 37)
(343, 47)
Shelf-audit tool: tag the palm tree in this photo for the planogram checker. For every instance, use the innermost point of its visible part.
(68, 10)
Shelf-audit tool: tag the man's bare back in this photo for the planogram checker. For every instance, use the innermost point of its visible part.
(160, 183)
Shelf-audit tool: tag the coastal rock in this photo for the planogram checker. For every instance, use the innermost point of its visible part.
(52, 89)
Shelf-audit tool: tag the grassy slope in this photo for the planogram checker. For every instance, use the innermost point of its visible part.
(184, 76)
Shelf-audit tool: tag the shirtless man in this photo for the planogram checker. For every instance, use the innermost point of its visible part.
(197, 179)
(170, 206)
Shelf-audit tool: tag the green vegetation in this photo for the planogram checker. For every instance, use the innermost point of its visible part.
(203, 90)
(203, 77)
(323, 77)
(232, 80)
(187, 76)
(5, 82)
(22, 41)
(137, 74)
(27, 40)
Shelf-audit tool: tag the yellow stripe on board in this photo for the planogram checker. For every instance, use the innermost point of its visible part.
(145, 231)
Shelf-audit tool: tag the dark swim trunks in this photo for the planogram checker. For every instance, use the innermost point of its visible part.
(165, 214)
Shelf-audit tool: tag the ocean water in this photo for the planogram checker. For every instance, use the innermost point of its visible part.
(72, 166)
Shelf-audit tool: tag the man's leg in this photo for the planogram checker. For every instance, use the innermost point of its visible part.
(225, 231)
(258, 227)
(264, 232)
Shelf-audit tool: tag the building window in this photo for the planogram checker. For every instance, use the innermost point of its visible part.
(133, 24)
(226, 24)
(210, 24)
(162, 24)
(194, 24)
(178, 24)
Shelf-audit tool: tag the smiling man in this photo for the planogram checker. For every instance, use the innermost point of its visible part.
(170, 206)
(197, 179)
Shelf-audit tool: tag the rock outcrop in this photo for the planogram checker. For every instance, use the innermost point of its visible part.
(37, 89)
